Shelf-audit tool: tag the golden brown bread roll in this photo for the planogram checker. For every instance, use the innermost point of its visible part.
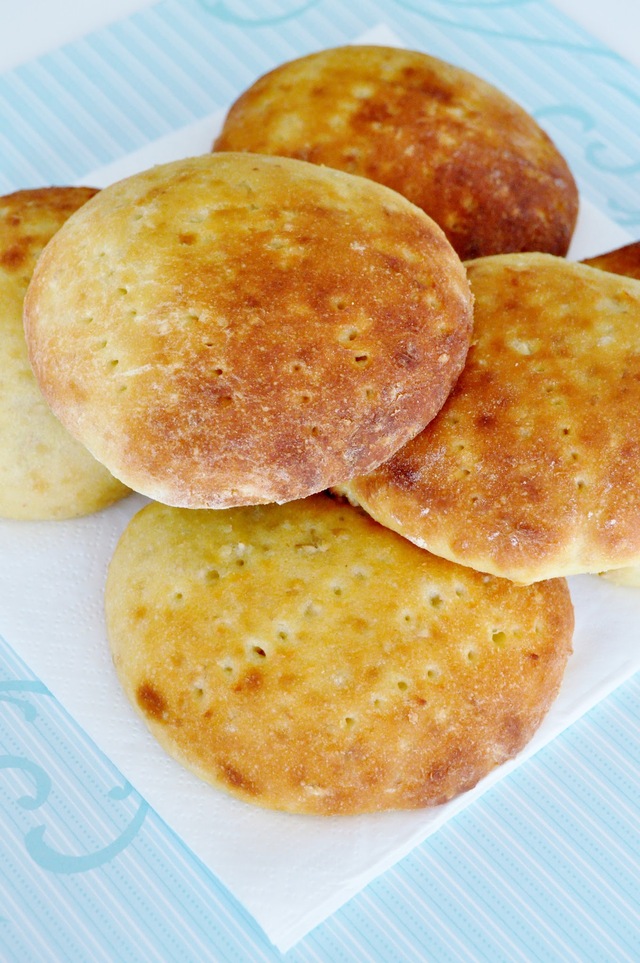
(304, 658)
(234, 329)
(530, 469)
(456, 146)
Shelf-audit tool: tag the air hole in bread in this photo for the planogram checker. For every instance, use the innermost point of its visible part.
(499, 637)
(225, 401)
(212, 575)
(522, 347)
(402, 685)
(349, 721)
(347, 335)
(433, 674)
(362, 360)
(259, 651)
(436, 600)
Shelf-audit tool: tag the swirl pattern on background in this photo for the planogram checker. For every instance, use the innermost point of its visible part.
(18, 693)
(224, 10)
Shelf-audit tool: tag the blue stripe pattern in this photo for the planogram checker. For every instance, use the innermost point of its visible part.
(101, 97)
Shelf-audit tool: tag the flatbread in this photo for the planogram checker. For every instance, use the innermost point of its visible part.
(456, 146)
(304, 658)
(44, 472)
(233, 329)
(530, 471)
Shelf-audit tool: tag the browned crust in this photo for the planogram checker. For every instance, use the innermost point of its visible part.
(530, 469)
(304, 658)
(622, 260)
(457, 147)
(233, 329)
(30, 218)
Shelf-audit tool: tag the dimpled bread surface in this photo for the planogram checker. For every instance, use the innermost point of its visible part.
(44, 472)
(304, 658)
(457, 147)
(233, 329)
(530, 471)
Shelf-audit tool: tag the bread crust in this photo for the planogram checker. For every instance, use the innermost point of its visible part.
(621, 260)
(233, 329)
(530, 469)
(456, 146)
(304, 658)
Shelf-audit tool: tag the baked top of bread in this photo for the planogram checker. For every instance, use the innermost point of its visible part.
(304, 658)
(530, 471)
(44, 472)
(456, 146)
(234, 329)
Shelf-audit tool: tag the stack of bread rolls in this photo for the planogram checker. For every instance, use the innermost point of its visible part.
(378, 417)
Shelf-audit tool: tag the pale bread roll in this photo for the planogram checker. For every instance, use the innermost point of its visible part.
(304, 658)
(456, 146)
(530, 471)
(233, 329)
(44, 472)
(629, 576)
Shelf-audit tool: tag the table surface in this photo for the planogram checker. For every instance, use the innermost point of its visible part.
(544, 866)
